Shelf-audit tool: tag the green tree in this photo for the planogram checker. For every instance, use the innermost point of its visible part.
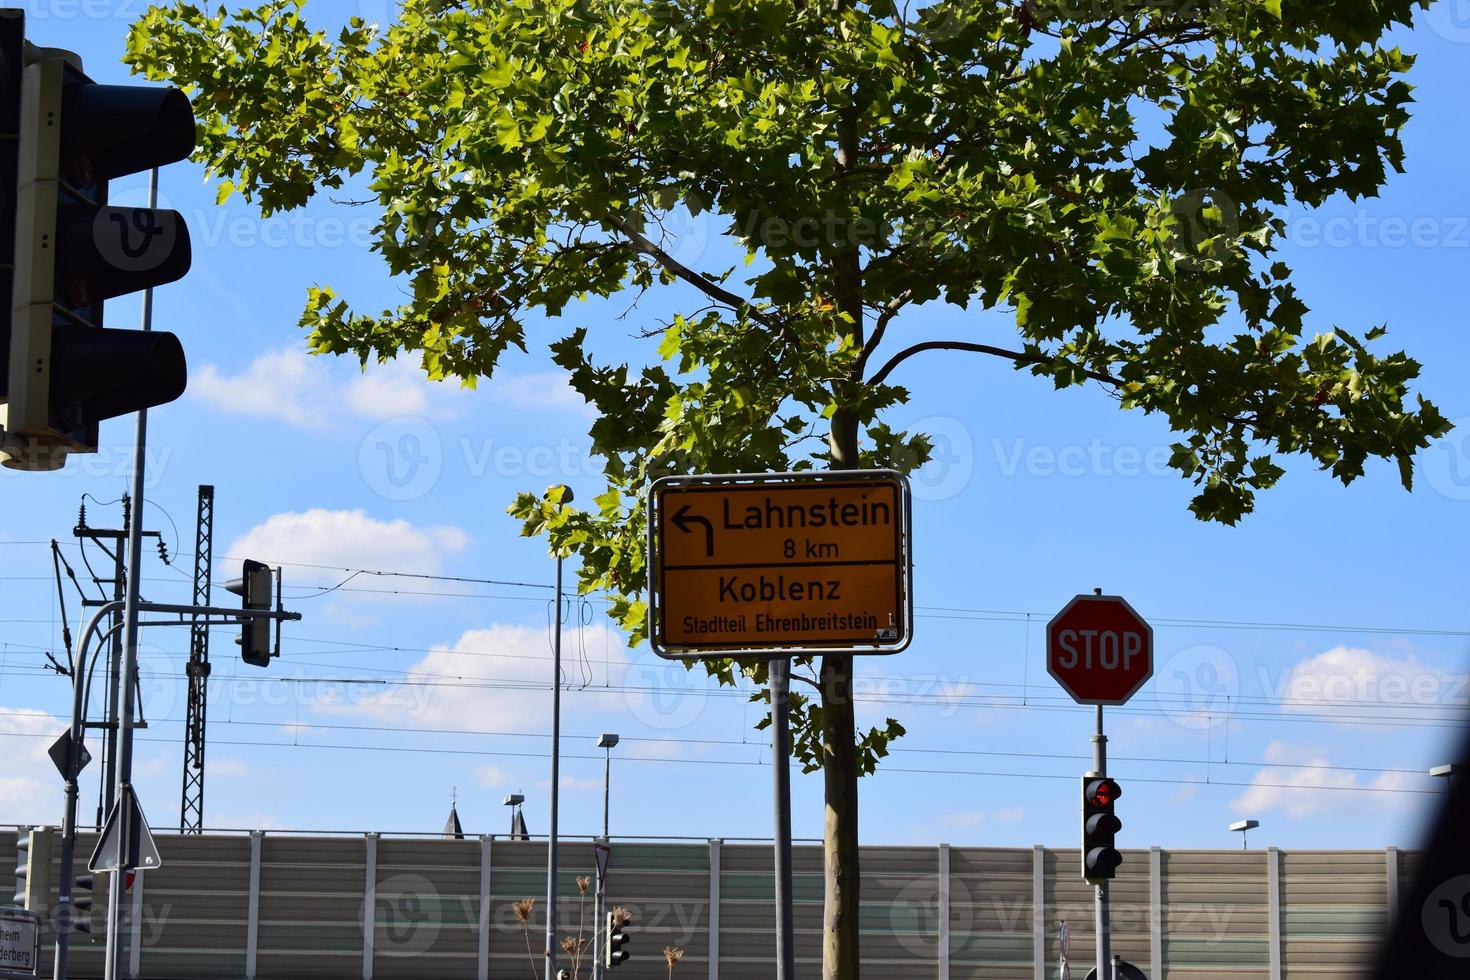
(1114, 175)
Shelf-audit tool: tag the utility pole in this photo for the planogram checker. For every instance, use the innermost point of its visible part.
(551, 841)
(191, 806)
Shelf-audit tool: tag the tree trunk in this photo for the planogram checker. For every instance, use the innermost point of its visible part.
(840, 826)
(840, 778)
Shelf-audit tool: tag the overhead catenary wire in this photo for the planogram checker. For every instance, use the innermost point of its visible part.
(425, 750)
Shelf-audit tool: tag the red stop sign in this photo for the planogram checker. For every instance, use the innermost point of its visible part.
(1099, 649)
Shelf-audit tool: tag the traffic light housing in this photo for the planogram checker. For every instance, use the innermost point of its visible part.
(68, 250)
(1100, 826)
(80, 913)
(22, 867)
(616, 938)
(254, 587)
(33, 848)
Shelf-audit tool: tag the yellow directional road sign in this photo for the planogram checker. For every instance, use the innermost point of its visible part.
(780, 562)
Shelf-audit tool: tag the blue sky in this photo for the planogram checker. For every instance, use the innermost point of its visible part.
(1328, 630)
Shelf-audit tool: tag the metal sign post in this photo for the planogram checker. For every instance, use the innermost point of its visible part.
(1102, 923)
(779, 672)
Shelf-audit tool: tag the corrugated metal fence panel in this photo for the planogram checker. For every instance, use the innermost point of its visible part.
(1070, 899)
(900, 912)
(311, 907)
(426, 909)
(86, 948)
(1334, 910)
(1216, 915)
(748, 910)
(195, 907)
(665, 886)
(991, 913)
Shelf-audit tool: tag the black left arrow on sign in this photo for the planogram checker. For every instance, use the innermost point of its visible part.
(683, 519)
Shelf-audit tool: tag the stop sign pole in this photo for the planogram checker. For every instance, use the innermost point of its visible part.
(1101, 652)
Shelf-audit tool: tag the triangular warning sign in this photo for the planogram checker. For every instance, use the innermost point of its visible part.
(140, 850)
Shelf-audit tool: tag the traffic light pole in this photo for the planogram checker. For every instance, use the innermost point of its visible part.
(123, 775)
(779, 675)
(82, 675)
(1102, 922)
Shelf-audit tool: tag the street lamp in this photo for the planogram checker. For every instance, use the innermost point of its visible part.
(563, 498)
(1243, 827)
(1447, 772)
(606, 742)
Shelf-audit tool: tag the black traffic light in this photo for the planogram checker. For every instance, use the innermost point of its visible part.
(72, 250)
(22, 867)
(617, 919)
(254, 587)
(80, 914)
(1100, 826)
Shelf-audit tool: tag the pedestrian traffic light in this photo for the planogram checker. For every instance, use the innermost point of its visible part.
(254, 587)
(68, 249)
(617, 919)
(1100, 858)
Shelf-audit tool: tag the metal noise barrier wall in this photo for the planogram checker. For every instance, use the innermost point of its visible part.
(288, 906)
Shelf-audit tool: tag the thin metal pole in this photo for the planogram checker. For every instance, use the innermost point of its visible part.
(780, 682)
(117, 909)
(114, 659)
(599, 902)
(1102, 925)
(73, 771)
(550, 972)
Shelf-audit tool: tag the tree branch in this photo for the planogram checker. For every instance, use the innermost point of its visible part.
(890, 310)
(642, 245)
(1020, 357)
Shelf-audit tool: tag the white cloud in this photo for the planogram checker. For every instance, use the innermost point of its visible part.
(286, 385)
(1355, 685)
(490, 777)
(350, 539)
(1303, 784)
(538, 390)
(229, 768)
(320, 392)
(29, 786)
(498, 677)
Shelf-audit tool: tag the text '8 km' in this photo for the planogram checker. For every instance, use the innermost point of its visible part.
(780, 563)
